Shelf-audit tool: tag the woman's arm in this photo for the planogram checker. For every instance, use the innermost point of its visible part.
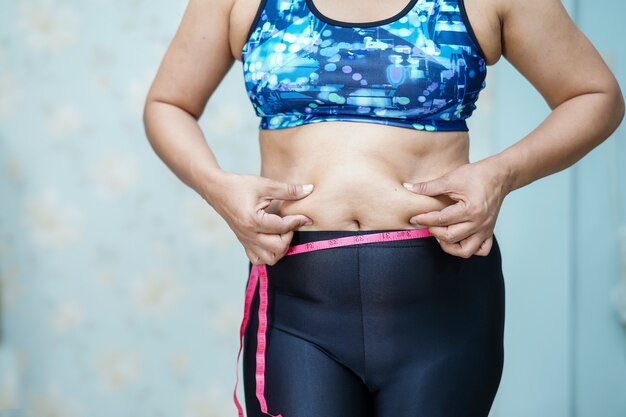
(194, 65)
(542, 42)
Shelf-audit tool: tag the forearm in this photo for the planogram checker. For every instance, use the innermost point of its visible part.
(569, 132)
(177, 139)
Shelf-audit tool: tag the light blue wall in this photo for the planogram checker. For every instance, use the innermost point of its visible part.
(122, 291)
(600, 252)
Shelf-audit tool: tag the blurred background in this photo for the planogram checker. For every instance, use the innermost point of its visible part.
(122, 290)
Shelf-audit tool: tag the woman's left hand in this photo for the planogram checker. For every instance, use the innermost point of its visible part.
(465, 228)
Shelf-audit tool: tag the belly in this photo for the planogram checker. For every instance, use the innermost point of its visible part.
(358, 170)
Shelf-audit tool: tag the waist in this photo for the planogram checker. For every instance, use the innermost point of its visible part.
(357, 170)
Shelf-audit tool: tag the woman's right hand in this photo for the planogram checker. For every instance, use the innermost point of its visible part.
(241, 200)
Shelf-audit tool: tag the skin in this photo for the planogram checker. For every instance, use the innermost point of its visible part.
(358, 169)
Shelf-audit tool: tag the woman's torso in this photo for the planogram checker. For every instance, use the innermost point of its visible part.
(358, 168)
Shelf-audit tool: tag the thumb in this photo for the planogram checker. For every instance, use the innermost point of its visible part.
(432, 187)
(288, 191)
(294, 221)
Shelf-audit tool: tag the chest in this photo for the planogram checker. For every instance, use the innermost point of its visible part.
(423, 62)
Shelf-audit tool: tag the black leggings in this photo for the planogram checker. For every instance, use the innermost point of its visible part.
(388, 329)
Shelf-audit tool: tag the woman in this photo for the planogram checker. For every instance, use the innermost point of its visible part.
(367, 101)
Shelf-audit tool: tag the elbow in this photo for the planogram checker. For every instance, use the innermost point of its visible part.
(621, 106)
(617, 105)
(145, 115)
(149, 116)
(147, 107)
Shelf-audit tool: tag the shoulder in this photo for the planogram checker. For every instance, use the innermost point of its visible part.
(506, 22)
(542, 41)
(506, 7)
(533, 14)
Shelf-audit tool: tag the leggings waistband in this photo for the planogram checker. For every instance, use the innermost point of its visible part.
(306, 236)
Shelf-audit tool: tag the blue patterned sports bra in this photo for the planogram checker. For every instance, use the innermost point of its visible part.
(419, 69)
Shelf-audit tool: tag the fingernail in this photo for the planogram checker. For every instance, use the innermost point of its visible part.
(308, 223)
(307, 188)
(407, 185)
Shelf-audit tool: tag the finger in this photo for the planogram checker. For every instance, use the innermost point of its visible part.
(263, 204)
(264, 256)
(295, 221)
(453, 233)
(276, 243)
(470, 245)
(275, 224)
(451, 214)
(465, 248)
(451, 248)
(253, 257)
(433, 187)
(269, 248)
(485, 247)
(286, 191)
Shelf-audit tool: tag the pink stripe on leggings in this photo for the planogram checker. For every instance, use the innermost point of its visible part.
(259, 273)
